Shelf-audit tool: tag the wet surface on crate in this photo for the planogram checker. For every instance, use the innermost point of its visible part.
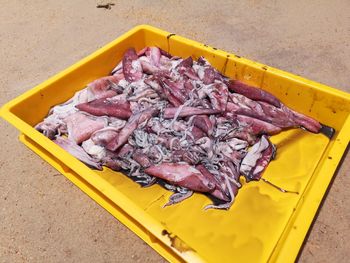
(256, 219)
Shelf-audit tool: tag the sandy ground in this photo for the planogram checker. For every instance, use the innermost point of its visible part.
(43, 217)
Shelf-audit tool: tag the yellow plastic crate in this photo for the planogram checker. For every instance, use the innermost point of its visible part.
(263, 224)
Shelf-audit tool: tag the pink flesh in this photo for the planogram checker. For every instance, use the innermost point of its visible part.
(304, 121)
(176, 89)
(125, 150)
(218, 191)
(282, 117)
(164, 140)
(191, 74)
(170, 143)
(182, 175)
(123, 135)
(101, 88)
(179, 126)
(77, 152)
(234, 187)
(253, 93)
(259, 114)
(113, 164)
(80, 126)
(188, 111)
(103, 107)
(188, 87)
(263, 162)
(129, 128)
(104, 136)
(148, 68)
(203, 122)
(171, 98)
(257, 159)
(197, 133)
(141, 158)
(49, 129)
(130, 72)
(186, 63)
(257, 126)
(252, 125)
(154, 55)
(209, 75)
(164, 53)
(219, 96)
(154, 84)
(179, 156)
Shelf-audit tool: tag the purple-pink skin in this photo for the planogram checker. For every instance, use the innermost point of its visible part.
(103, 107)
(185, 68)
(257, 126)
(253, 93)
(257, 159)
(164, 53)
(112, 160)
(104, 136)
(171, 98)
(218, 192)
(132, 68)
(49, 129)
(112, 163)
(147, 67)
(184, 64)
(78, 152)
(253, 125)
(151, 61)
(197, 133)
(141, 158)
(183, 175)
(228, 171)
(282, 117)
(125, 150)
(129, 128)
(262, 163)
(209, 75)
(219, 96)
(255, 112)
(304, 121)
(176, 89)
(188, 87)
(191, 74)
(154, 55)
(101, 88)
(188, 111)
(183, 156)
(203, 122)
(171, 143)
(156, 82)
(80, 126)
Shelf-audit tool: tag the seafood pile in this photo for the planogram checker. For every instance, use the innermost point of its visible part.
(163, 119)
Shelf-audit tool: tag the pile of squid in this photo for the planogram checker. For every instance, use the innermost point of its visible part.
(163, 119)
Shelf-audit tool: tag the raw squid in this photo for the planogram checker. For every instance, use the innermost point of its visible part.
(177, 122)
(78, 152)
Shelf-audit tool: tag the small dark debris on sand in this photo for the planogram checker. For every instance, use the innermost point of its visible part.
(106, 6)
